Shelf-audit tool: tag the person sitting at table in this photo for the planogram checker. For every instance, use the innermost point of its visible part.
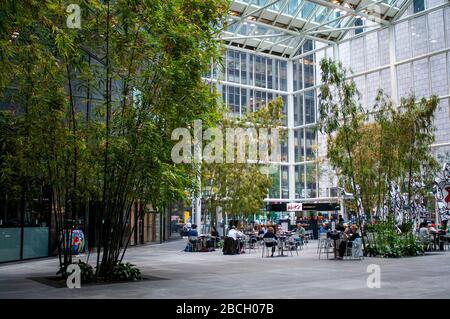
(192, 237)
(431, 229)
(348, 240)
(236, 234)
(213, 239)
(323, 229)
(193, 231)
(262, 230)
(271, 234)
(300, 231)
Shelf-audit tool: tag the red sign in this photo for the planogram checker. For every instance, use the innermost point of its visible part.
(294, 207)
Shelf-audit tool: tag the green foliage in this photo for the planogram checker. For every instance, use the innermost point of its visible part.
(383, 240)
(87, 272)
(240, 188)
(393, 146)
(220, 244)
(116, 152)
(125, 272)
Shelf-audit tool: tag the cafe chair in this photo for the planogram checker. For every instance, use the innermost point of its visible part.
(193, 244)
(325, 246)
(265, 249)
(292, 245)
(354, 249)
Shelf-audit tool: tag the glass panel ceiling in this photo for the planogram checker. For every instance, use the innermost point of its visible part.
(280, 27)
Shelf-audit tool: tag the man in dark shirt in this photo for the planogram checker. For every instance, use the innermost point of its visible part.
(193, 231)
(349, 240)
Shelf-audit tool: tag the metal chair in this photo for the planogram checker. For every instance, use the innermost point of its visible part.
(426, 241)
(353, 249)
(250, 243)
(265, 247)
(193, 243)
(325, 246)
(292, 244)
(322, 237)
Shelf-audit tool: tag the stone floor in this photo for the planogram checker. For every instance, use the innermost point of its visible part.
(177, 274)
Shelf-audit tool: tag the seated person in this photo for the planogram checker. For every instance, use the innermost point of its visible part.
(214, 238)
(279, 230)
(323, 229)
(300, 231)
(423, 230)
(348, 239)
(193, 231)
(235, 234)
(346, 228)
(431, 229)
(192, 236)
(262, 230)
(271, 234)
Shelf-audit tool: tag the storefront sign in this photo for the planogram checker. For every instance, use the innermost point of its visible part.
(294, 207)
(289, 207)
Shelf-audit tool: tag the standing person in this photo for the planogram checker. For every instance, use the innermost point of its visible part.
(271, 234)
(348, 239)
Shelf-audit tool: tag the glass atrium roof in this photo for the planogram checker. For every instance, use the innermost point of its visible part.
(280, 27)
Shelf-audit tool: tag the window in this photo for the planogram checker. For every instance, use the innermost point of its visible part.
(359, 22)
(419, 5)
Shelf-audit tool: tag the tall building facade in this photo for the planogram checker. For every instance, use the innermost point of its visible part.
(408, 55)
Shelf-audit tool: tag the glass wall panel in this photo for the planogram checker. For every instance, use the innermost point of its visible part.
(270, 74)
(419, 35)
(439, 83)
(260, 71)
(308, 70)
(298, 109)
(35, 242)
(284, 181)
(310, 143)
(283, 75)
(10, 243)
(311, 180)
(244, 68)
(421, 82)
(402, 43)
(299, 144)
(274, 191)
(436, 30)
(233, 66)
(310, 107)
(300, 181)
